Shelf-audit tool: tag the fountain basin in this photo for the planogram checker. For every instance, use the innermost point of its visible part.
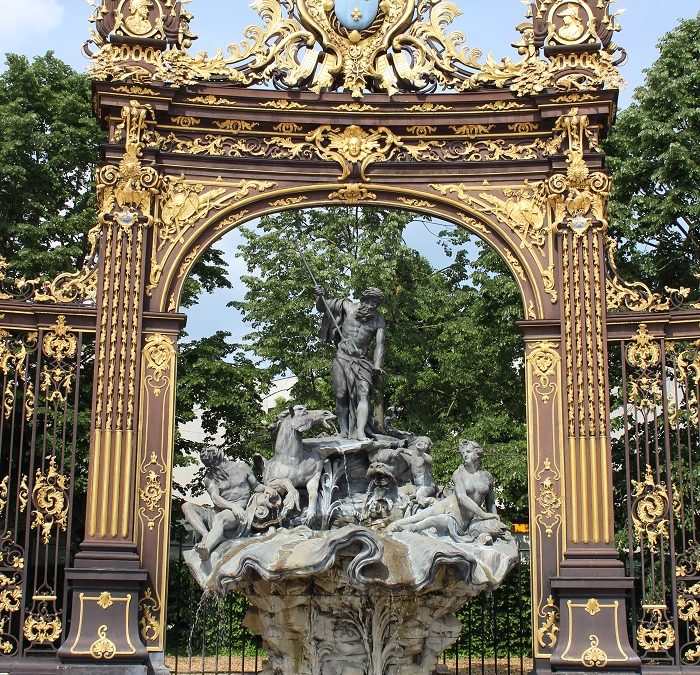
(354, 601)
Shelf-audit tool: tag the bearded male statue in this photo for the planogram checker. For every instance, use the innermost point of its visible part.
(352, 327)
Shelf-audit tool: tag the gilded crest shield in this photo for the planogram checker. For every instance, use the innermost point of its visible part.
(356, 14)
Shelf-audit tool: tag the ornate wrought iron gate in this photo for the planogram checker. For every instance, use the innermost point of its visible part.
(46, 368)
(656, 452)
(511, 154)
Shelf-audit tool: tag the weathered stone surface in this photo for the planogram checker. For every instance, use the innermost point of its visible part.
(354, 600)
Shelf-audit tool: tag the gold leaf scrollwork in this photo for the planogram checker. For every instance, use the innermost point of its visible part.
(352, 193)
(3, 493)
(41, 631)
(23, 494)
(636, 296)
(548, 498)
(354, 147)
(644, 354)
(547, 631)
(42, 625)
(289, 201)
(49, 497)
(103, 647)
(148, 624)
(594, 656)
(545, 361)
(416, 203)
(10, 592)
(655, 632)
(152, 491)
(159, 352)
(59, 343)
(592, 606)
(649, 510)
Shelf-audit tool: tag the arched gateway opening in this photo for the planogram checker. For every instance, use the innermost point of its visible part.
(377, 105)
(430, 299)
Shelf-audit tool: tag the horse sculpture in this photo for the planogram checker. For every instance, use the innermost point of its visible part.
(293, 466)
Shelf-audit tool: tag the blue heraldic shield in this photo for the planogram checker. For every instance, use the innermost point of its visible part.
(356, 14)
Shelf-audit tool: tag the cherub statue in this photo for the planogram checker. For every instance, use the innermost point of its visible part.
(237, 498)
(421, 462)
(460, 515)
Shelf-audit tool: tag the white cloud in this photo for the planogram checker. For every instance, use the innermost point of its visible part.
(23, 21)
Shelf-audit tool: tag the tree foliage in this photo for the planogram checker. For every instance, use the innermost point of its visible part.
(452, 350)
(654, 154)
(49, 144)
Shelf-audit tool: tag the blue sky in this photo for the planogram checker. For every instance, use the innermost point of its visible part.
(32, 27)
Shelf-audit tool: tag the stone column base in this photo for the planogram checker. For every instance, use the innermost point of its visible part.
(76, 669)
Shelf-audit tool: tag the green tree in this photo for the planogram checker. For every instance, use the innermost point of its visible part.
(49, 147)
(654, 155)
(452, 350)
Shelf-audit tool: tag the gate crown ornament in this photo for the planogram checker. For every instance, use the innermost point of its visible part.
(359, 46)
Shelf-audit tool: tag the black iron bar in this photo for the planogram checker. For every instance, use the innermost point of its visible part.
(178, 603)
(243, 647)
(483, 636)
(494, 631)
(230, 635)
(628, 491)
(71, 486)
(669, 488)
(30, 480)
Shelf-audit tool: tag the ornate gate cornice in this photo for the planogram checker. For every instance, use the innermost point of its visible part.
(389, 46)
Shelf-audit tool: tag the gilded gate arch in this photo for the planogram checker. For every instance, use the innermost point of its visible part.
(395, 113)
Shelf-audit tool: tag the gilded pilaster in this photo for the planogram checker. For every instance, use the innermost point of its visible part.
(108, 564)
(591, 589)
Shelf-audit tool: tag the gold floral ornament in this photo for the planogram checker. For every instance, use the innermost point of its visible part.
(59, 343)
(42, 626)
(547, 632)
(578, 198)
(352, 194)
(149, 607)
(594, 656)
(655, 632)
(354, 147)
(650, 510)
(644, 351)
(159, 352)
(636, 296)
(548, 499)
(403, 45)
(544, 360)
(50, 500)
(103, 647)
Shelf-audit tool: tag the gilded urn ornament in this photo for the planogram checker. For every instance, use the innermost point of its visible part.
(356, 14)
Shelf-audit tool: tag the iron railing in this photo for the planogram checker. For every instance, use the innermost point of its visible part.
(656, 441)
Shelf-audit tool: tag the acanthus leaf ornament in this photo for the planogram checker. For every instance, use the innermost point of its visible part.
(650, 509)
(655, 632)
(50, 499)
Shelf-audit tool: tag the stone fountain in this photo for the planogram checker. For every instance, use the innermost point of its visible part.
(353, 560)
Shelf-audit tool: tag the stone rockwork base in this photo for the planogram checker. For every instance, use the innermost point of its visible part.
(330, 628)
(354, 601)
